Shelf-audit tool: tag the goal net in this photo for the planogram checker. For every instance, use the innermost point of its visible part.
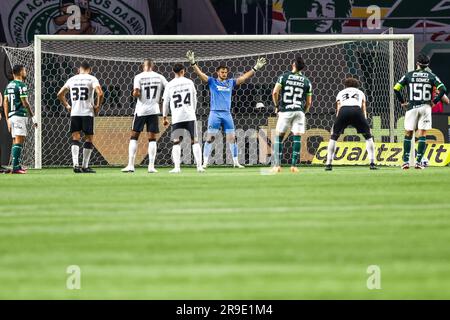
(376, 60)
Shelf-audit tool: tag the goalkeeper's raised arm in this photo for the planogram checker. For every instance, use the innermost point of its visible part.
(261, 62)
(190, 55)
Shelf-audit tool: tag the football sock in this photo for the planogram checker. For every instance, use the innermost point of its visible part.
(421, 148)
(152, 148)
(207, 148)
(75, 153)
(234, 151)
(278, 150)
(16, 152)
(132, 148)
(197, 151)
(406, 149)
(296, 149)
(331, 150)
(176, 155)
(87, 151)
(370, 147)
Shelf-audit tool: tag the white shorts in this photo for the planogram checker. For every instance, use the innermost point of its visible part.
(293, 119)
(18, 126)
(418, 118)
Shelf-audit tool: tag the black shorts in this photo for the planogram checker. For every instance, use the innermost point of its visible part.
(151, 122)
(82, 123)
(190, 126)
(353, 116)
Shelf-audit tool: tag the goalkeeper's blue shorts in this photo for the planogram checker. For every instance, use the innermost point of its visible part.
(219, 119)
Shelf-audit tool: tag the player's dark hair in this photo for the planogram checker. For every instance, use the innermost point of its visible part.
(85, 65)
(423, 61)
(351, 83)
(299, 63)
(222, 66)
(17, 69)
(149, 62)
(178, 67)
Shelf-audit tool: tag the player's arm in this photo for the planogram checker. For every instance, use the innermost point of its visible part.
(100, 97)
(308, 103)
(26, 104)
(62, 97)
(136, 88)
(276, 95)
(338, 107)
(308, 98)
(261, 62)
(397, 89)
(441, 88)
(165, 109)
(190, 55)
(364, 107)
(6, 110)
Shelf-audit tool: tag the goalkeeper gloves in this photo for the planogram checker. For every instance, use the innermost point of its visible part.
(191, 57)
(261, 62)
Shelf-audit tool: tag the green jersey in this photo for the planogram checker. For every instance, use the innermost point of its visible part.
(295, 87)
(420, 87)
(15, 91)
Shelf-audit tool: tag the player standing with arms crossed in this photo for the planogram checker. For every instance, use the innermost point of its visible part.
(351, 110)
(82, 112)
(148, 88)
(295, 91)
(17, 110)
(180, 97)
(418, 115)
(221, 89)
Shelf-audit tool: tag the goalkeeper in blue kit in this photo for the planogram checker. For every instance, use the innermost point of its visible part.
(221, 89)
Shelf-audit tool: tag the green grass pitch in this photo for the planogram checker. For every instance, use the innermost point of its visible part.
(226, 234)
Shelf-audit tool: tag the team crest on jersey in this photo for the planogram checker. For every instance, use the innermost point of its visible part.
(30, 17)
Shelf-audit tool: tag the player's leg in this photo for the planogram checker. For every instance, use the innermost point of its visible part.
(196, 148)
(230, 132)
(424, 124)
(176, 137)
(370, 148)
(362, 126)
(336, 130)
(153, 131)
(283, 124)
(411, 117)
(75, 131)
(213, 128)
(76, 145)
(88, 147)
(136, 128)
(18, 132)
(297, 128)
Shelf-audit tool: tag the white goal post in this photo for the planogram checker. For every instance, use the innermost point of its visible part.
(116, 59)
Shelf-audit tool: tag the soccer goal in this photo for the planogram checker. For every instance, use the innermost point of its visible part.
(377, 60)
